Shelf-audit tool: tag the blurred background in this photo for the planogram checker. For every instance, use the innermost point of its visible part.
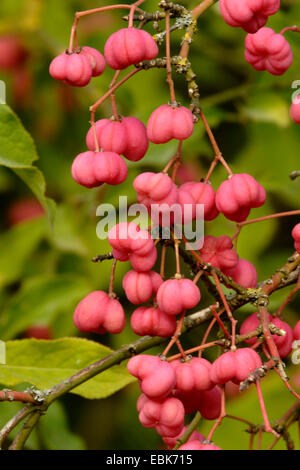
(45, 272)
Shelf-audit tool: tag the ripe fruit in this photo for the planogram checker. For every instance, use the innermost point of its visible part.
(196, 445)
(176, 295)
(234, 366)
(192, 375)
(99, 313)
(129, 46)
(156, 377)
(12, 52)
(139, 287)
(208, 402)
(129, 242)
(92, 169)
(167, 416)
(297, 331)
(244, 273)
(202, 194)
(96, 59)
(238, 195)
(127, 137)
(153, 322)
(296, 237)
(171, 441)
(168, 122)
(39, 332)
(248, 14)
(73, 69)
(24, 209)
(283, 343)
(219, 252)
(295, 111)
(266, 50)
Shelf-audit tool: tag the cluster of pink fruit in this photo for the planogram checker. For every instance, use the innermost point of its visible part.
(265, 50)
(172, 388)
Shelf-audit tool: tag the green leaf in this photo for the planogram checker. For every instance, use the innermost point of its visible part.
(17, 246)
(267, 107)
(47, 363)
(39, 301)
(18, 152)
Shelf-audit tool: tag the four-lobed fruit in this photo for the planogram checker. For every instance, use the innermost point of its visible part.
(92, 169)
(219, 252)
(295, 111)
(78, 67)
(129, 46)
(250, 15)
(166, 416)
(126, 137)
(152, 321)
(171, 441)
(170, 122)
(130, 243)
(193, 375)
(207, 402)
(296, 331)
(156, 377)
(266, 50)
(202, 193)
(234, 366)
(176, 295)
(139, 287)
(238, 195)
(244, 273)
(99, 313)
(283, 343)
(296, 237)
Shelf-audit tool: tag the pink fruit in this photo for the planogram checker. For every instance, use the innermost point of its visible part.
(12, 52)
(238, 195)
(295, 111)
(74, 69)
(96, 59)
(192, 375)
(297, 331)
(202, 194)
(128, 137)
(156, 377)
(296, 237)
(166, 416)
(244, 273)
(98, 313)
(139, 287)
(196, 445)
(129, 242)
(235, 366)
(219, 252)
(266, 50)
(171, 441)
(210, 403)
(283, 343)
(176, 295)
(129, 46)
(248, 14)
(92, 169)
(158, 193)
(153, 322)
(39, 332)
(24, 209)
(169, 122)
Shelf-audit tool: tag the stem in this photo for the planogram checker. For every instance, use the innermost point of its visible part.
(163, 261)
(228, 311)
(26, 430)
(176, 335)
(11, 396)
(290, 28)
(264, 411)
(113, 98)
(268, 217)
(112, 280)
(95, 106)
(168, 55)
(12, 423)
(132, 11)
(221, 417)
(191, 428)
